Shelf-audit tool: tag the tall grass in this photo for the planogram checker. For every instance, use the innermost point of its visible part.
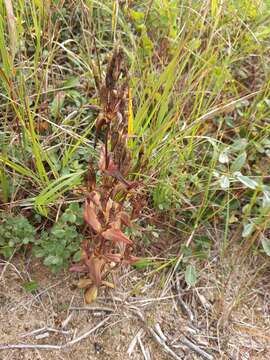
(200, 93)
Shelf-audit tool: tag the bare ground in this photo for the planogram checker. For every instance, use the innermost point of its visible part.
(225, 317)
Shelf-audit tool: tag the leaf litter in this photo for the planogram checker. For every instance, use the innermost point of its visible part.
(225, 316)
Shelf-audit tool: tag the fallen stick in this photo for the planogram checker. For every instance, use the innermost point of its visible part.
(166, 348)
(54, 347)
(182, 302)
(134, 342)
(160, 340)
(46, 329)
(92, 308)
(145, 353)
(195, 348)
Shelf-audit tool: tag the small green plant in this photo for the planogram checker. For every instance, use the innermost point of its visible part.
(15, 232)
(62, 242)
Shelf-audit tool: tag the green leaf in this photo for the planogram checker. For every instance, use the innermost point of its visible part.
(26, 240)
(214, 8)
(224, 182)
(38, 252)
(239, 162)
(266, 245)
(69, 217)
(246, 180)
(137, 16)
(52, 260)
(266, 200)
(143, 263)
(59, 233)
(71, 82)
(239, 145)
(57, 103)
(223, 157)
(55, 189)
(30, 286)
(248, 230)
(191, 275)
(77, 256)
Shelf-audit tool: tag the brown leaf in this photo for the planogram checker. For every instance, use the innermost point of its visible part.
(119, 188)
(90, 294)
(95, 265)
(107, 212)
(114, 68)
(100, 122)
(91, 176)
(85, 250)
(116, 235)
(102, 159)
(111, 169)
(117, 258)
(84, 283)
(78, 268)
(108, 284)
(90, 216)
(95, 197)
(125, 219)
(131, 259)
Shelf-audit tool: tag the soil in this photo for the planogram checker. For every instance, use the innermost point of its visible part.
(225, 316)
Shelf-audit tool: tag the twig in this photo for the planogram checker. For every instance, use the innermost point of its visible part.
(156, 337)
(31, 346)
(46, 329)
(85, 335)
(92, 308)
(159, 332)
(182, 303)
(54, 347)
(65, 323)
(134, 342)
(42, 336)
(166, 348)
(34, 332)
(146, 354)
(7, 263)
(195, 348)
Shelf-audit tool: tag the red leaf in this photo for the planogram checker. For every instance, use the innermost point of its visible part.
(108, 209)
(117, 236)
(90, 216)
(112, 168)
(125, 219)
(102, 160)
(131, 259)
(117, 258)
(95, 265)
(78, 268)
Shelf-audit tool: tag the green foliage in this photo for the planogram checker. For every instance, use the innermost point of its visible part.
(30, 286)
(62, 242)
(15, 232)
(191, 275)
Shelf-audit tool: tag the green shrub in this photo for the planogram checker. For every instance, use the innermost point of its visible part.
(15, 232)
(62, 242)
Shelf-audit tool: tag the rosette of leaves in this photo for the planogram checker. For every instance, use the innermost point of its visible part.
(15, 232)
(62, 243)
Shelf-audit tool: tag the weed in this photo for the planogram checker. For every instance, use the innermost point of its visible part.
(62, 242)
(15, 232)
(104, 209)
